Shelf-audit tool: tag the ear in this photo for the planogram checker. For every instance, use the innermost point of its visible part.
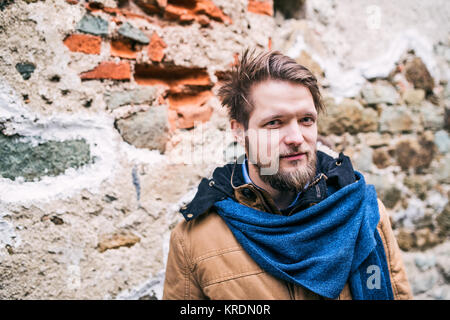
(238, 131)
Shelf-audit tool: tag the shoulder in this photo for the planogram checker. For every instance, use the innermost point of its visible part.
(206, 233)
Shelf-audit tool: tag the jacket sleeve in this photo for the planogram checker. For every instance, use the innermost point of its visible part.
(179, 283)
(399, 280)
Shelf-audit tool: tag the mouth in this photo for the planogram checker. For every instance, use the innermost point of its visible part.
(294, 156)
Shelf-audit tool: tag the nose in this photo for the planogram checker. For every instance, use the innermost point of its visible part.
(293, 134)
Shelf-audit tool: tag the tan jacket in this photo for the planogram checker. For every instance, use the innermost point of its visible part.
(206, 262)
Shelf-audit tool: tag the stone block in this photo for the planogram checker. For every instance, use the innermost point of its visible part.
(115, 99)
(417, 73)
(116, 240)
(398, 119)
(93, 25)
(379, 92)
(149, 129)
(442, 141)
(24, 159)
(414, 153)
(413, 96)
(25, 69)
(349, 116)
(133, 33)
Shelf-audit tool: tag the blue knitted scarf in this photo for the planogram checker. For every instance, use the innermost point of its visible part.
(319, 248)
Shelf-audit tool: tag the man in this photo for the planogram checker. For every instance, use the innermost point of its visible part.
(288, 221)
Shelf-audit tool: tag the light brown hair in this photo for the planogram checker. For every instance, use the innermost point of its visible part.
(235, 92)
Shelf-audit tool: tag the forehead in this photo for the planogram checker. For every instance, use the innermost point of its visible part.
(272, 97)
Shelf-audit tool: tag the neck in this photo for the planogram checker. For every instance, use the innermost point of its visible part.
(281, 198)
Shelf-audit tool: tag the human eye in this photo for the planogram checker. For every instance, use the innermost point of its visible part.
(307, 120)
(273, 123)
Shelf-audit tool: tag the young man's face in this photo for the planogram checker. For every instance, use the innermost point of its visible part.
(282, 134)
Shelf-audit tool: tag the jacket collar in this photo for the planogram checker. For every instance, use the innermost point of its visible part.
(228, 182)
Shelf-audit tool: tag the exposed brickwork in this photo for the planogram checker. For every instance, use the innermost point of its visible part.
(261, 7)
(177, 79)
(123, 49)
(195, 10)
(84, 43)
(109, 70)
(156, 48)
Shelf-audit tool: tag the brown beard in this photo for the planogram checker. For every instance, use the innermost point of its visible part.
(292, 181)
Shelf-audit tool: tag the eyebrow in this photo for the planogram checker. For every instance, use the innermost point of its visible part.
(275, 116)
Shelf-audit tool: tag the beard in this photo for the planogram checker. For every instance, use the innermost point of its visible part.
(293, 180)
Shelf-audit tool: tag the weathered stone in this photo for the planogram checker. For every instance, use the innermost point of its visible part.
(379, 92)
(362, 160)
(425, 282)
(391, 196)
(388, 193)
(93, 25)
(146, 129)
(425, 262)
(115, 99)
(381, 157)
(83, 43)
(349, 116)
(417, 73)
(405, 240)
(426, 238)
(25, 69)
(441, 172)
(418, 185)
(133, 33)
(413, 96)
(51, 158)
(375, 139)
(443, 220)
(442, 141)
(116, 240)
(432, 116)
(443, 264)
(109, 70)
(307, 61)
(414, 153)
(398, 119)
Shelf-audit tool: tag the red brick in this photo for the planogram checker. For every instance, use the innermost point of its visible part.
(123, 49)
(187, 109)
(84, 43)
(178, 79)
(209, 8)
(156, 48)
(260, 7)
(109, 70)
(195, 11)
